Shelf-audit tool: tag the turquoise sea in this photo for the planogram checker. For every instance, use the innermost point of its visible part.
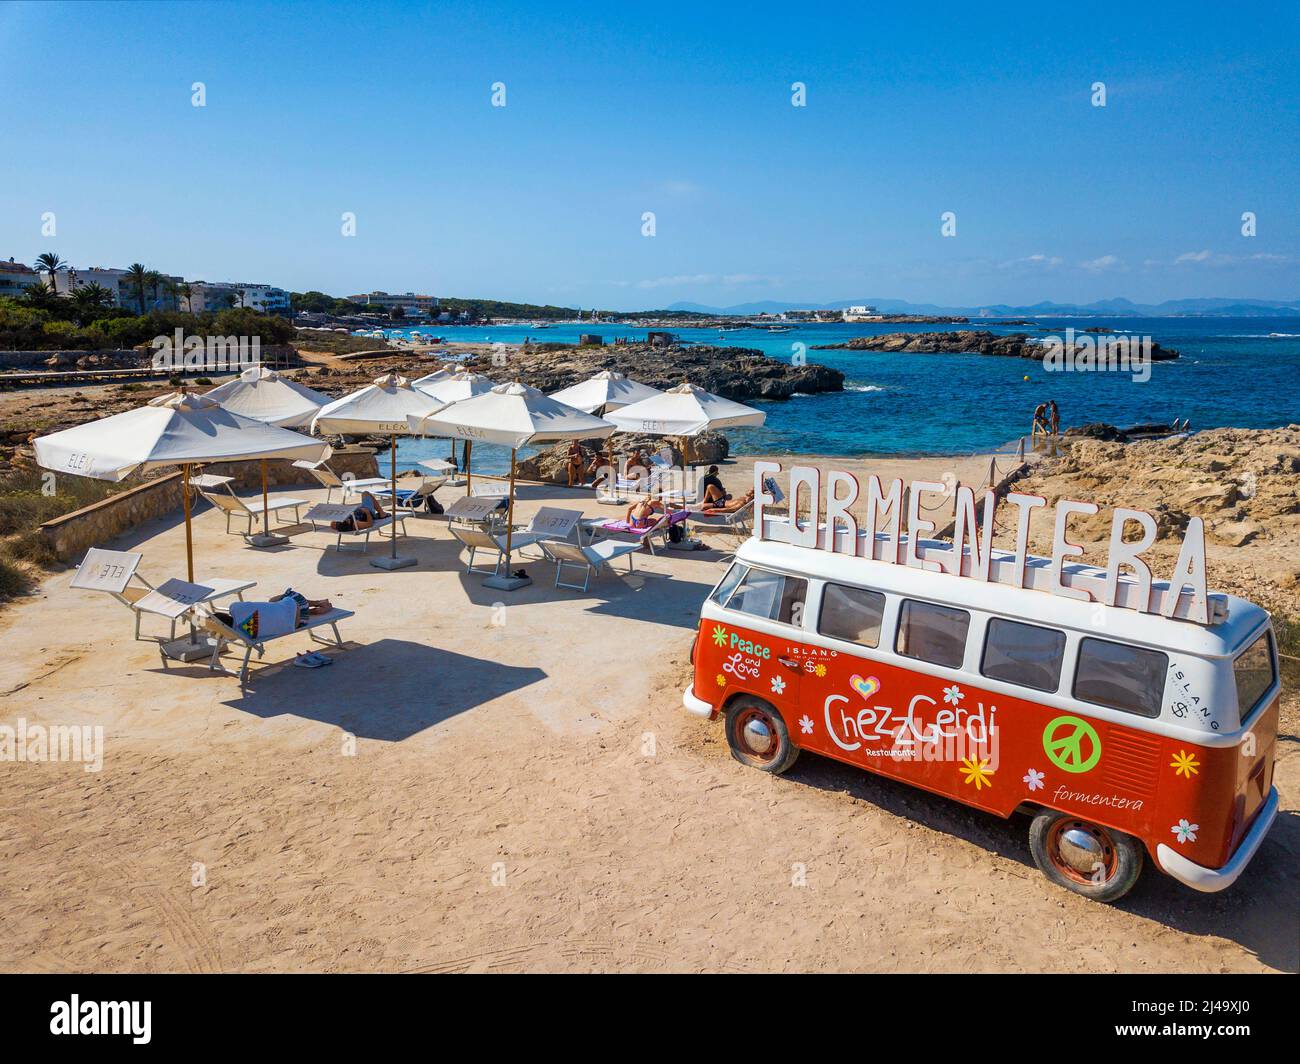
(1233, 371)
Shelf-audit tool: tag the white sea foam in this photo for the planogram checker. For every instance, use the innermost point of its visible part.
(863, 388)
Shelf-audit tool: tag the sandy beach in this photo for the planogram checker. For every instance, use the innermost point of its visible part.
(477, 788)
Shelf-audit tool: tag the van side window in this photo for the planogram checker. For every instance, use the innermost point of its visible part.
(1023, 654)
(852, 613)
(1253, 671)
(772, 596)
(936, 634)
(1121, 676)
(728, 583)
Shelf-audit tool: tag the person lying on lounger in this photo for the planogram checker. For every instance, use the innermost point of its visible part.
(645, 513)
(730, 507)
(362, 517)
(306, 607)
(282, 613)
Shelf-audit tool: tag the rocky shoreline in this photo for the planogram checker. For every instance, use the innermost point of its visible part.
(739, 373)
(968, 341)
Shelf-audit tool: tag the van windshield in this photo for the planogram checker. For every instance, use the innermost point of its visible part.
(1254, 671)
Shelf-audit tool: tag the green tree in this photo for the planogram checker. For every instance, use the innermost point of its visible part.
(52, 265)
(153, 279)
(138, 275)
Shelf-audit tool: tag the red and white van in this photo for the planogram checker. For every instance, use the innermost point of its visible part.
(1119, 731)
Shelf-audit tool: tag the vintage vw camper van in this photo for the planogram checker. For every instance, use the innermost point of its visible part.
(1120, 732)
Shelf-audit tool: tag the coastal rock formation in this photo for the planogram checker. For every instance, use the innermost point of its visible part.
(1245, 485)
(966, 341)
(738, 373)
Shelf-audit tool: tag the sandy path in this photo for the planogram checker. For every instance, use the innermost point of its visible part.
(522, 796)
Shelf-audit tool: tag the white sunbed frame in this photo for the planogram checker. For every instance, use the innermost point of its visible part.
(234, 506)
(591, 558)
(549, 524)
(330, 480)
(315, 516)
(111, 572)
(412, 504)
(226, 636)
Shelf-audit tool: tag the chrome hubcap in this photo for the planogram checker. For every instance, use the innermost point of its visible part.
(758, 735)
(1080, 851)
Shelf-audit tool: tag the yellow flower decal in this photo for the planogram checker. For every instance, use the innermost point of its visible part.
(722, 680)
(977, 772)
(820, 671)
(1184, 764)
(719, 635)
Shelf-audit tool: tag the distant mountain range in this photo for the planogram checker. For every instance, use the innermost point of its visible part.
(1119, 308)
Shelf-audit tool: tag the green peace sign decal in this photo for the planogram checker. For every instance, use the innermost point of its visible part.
(1064, 739)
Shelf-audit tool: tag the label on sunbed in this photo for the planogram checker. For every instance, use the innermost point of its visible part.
(173, 598)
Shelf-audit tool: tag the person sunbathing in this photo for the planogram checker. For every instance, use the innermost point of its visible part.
(714, 493)
(645, 513)
(363, 517)
(306, 607)
(732, 506)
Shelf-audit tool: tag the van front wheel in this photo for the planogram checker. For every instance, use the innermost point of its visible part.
(1086, 858)
(758, 736)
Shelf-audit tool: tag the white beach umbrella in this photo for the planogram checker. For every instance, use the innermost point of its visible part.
(685, 411)
(265, 395)
(173, 430)
(514, 416)
(432, 378)
(602, 394)
(451, 386)
(456, 386)
(269, 396)
(605, 392)
(381, 408)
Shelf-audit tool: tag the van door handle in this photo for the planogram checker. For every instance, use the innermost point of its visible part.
(789, 663)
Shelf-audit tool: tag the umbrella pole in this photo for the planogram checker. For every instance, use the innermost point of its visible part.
(392, 561)
(469, 477)
(189, 533)
(507, 581)
(265, 538)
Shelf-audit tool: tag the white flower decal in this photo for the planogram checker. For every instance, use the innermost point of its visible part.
(953, 694)
(806, 724)
(1186, 832)
(1034, 779)
(778, 685)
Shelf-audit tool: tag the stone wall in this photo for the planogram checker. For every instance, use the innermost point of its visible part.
(69, 536)
(10, 360)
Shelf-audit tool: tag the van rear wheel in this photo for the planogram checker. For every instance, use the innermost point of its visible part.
(1091, 860)
(758, 736)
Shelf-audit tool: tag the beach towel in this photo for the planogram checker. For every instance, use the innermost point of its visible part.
(674, 518)
(264, 620)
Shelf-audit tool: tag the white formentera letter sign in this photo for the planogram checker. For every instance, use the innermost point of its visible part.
(830, 525)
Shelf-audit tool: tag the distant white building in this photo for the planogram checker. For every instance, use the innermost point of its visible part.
(860, 313)
(410, 302)
(119, 286)
(15, 278)
(212, 296)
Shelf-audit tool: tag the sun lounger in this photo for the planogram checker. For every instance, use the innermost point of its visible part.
(548, 524)
(413, 495)
(735, 521)
(223, 497)
(226, 635)
(346, 486)
(647, 536)
(111, 572)
(471, 511)
(590, 559)
(329, 513)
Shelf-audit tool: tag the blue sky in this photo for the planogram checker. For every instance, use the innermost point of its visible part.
(680, 109)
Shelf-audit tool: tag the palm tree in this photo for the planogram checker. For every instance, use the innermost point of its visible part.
(138, 275)
(153, 279)
(186, 292)
(173, 291)
(89, 299)
(51, 264)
